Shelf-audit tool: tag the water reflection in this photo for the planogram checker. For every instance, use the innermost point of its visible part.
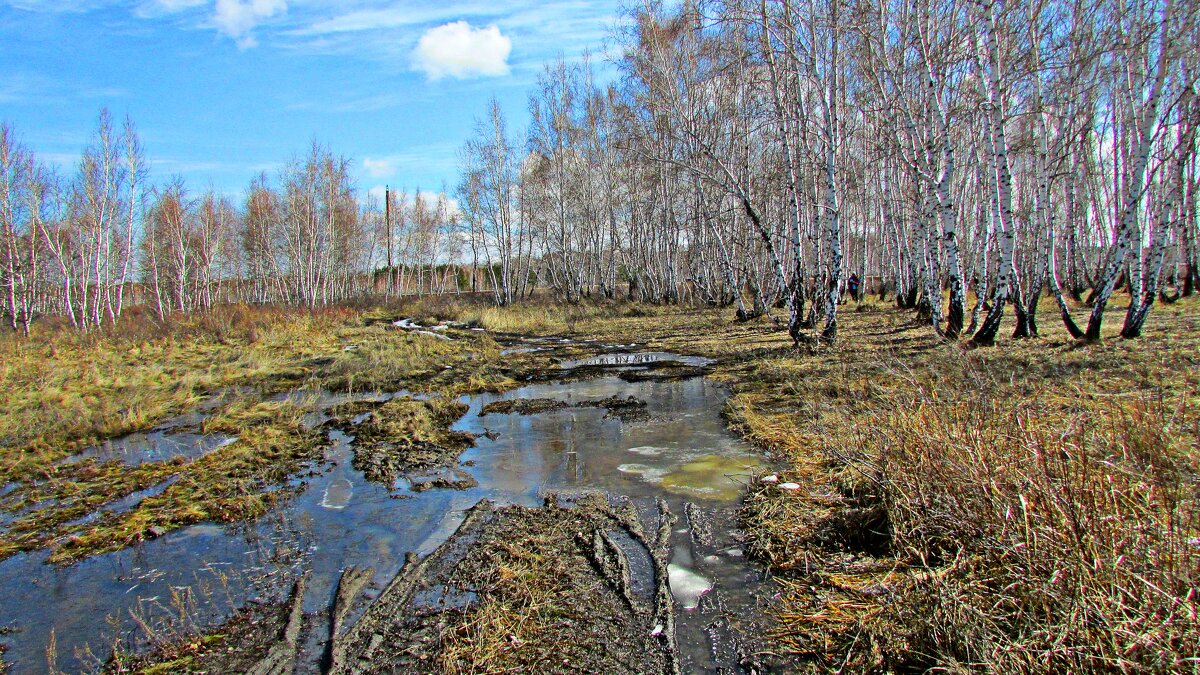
(681, 451)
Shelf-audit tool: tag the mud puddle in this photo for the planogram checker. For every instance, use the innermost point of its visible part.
(679, 452)
(154, 446)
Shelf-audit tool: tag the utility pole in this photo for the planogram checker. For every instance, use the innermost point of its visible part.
(387, 224)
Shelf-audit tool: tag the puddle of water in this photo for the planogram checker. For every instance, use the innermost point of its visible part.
(337, 494)
(154, 446)
(683, 446)
(713, 476)
(127, 502)
(521, 350)
(641, 565)
(681, 452)
(649, 474)
(636, 359)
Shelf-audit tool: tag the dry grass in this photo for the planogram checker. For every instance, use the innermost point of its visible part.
(541, 606)
(1028, 508)
(1062, 539)
(230, 484)
(67, 392)
(1025, 508)
(542, 316)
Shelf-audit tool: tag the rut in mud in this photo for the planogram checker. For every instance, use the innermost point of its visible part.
(635, 554)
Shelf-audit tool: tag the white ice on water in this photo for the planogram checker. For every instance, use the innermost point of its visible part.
(649, 474)
(687, 586)
(338, 494)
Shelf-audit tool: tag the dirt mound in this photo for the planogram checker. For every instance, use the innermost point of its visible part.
(402, 436)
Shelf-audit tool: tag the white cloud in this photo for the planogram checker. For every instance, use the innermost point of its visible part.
(56, 7)
(377, 192)
(238, 18)
(458, 50)
(173, 6)
(379, 168)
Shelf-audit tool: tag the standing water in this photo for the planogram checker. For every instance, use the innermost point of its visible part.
(677, 450)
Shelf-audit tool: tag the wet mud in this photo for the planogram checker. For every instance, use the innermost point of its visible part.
(581, 524)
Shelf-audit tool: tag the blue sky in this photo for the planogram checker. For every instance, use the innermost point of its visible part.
(221, 90)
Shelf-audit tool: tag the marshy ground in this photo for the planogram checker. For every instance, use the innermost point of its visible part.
(1028, 507)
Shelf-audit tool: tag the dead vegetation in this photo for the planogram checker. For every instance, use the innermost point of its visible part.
(517, 590)
(523, 406)
(236, 482)
(67, 392)
(402, 435)
(628, 409)
(1027, 508)
(1031, 508)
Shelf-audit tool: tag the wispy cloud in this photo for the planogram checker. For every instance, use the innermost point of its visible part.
(397, 16)
(62, 160)
(57, 7)
(392, 32)
(235, 19)
(238, 18)
(378, 192)
(41, 89)
(175, 5)
(439, 157)
(379, 168)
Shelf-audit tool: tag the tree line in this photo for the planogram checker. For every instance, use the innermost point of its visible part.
(88, 245)
(958, 157)
(759, 152)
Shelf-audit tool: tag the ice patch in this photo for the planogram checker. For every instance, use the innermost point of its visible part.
(649, 474)
(687, 586)
(338, 494)
(648, 450)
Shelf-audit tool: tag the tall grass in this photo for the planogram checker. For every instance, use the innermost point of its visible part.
(1061, 542)
(1029, 508)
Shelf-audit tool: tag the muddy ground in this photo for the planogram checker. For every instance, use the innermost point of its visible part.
(577, 586)
(580, 585)
(520, 589)
(850, 596)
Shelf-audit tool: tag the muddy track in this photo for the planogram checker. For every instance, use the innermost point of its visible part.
(592, 618)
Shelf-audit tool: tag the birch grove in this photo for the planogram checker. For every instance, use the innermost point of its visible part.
(959, 158)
